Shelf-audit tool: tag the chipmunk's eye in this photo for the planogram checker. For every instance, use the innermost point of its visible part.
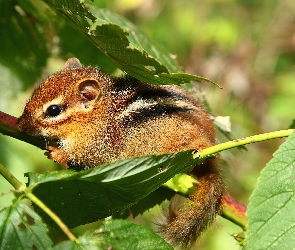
(54, 110)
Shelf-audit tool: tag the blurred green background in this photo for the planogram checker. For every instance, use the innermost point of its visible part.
(246, 46)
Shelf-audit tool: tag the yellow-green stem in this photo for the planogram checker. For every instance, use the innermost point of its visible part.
(243, 141)
(11, 179)
(27, 191)
(53, 216)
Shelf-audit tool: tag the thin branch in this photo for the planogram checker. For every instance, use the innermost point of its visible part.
(243, 141)
(28, 193)
(234, 211)
(11, 179)
(53, 216)
(8, 127)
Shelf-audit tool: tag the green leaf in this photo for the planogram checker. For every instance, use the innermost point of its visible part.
(154, 199)
(126, 46)
(271, 208)
(72, 245)
(82, 48)
(118, 234)
(22, 228)
(89, 195)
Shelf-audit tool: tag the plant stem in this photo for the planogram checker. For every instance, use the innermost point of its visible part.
(21, 187)
(234, 211)
(231, 209)
(11, 179)
(8, 127)
(53, 216)
(243, 141)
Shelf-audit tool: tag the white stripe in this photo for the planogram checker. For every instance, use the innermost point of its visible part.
(136, 107)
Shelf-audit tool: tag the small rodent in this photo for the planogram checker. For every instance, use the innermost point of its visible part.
(89, 118)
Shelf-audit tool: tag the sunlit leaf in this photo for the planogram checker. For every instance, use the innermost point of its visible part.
(126, 46)
(118, 234)
(271, 208)
(22, 228)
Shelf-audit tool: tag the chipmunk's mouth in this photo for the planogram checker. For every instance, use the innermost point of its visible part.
(50, 141)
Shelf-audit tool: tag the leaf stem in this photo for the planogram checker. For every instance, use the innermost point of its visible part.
(11, 179)
(231, 209)
(243, 141)
(28, 193)
(53, 216)
(234, 211)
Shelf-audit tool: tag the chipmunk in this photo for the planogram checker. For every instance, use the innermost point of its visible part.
(89, 118)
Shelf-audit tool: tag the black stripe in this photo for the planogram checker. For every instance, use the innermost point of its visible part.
(157, 110)
(144, 91)
(148, 91)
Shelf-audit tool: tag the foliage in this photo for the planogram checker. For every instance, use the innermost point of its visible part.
(22, 228)
(99, 192)
(271, 224)
(120, 234)
(45, 32)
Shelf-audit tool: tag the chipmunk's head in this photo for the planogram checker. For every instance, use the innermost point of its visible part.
(62, 98)
(63, 104)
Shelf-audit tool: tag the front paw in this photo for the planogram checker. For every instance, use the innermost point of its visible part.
(56, 154)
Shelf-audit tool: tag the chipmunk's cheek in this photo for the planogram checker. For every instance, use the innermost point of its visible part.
(56, 154)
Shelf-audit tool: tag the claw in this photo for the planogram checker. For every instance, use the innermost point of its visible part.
(56, 154)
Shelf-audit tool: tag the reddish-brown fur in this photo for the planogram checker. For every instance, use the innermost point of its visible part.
(94, 128)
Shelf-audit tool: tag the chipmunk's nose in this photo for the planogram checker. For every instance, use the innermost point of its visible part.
(24, 125)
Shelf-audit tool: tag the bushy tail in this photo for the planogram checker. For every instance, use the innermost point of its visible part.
(187, 222)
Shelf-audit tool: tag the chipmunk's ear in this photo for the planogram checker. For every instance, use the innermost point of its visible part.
(72, 63)
(89, 90)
